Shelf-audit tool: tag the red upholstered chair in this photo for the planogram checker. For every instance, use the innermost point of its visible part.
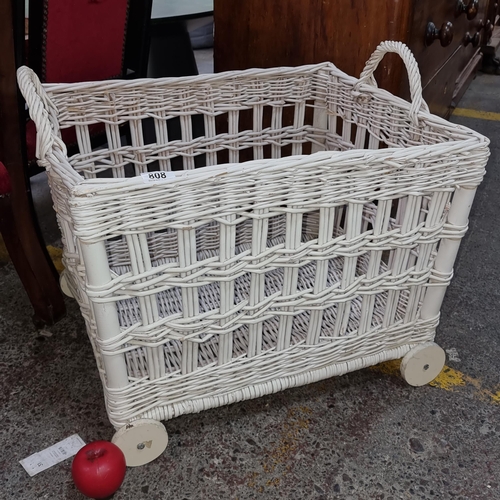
(68, 41)
(75, 41)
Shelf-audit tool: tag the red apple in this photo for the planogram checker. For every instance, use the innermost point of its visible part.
(98, 469)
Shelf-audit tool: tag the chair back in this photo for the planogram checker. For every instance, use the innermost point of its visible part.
(85, 40)
(74, 40)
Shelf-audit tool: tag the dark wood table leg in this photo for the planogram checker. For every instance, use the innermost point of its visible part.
(18, 220)
(47, 307)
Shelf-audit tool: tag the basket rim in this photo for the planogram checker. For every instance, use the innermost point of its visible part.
(359, 157)
(82, 187)
(108, 85)
(177, 81)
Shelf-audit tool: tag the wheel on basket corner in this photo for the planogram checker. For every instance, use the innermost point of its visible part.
(141, 441)
(423, 364)
(64, 284)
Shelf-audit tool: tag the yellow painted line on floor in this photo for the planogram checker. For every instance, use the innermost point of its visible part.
(54, 253)
(280, 455)
(480, 115)
(449, 380)
(56, 256)
(388, 367)
(296, 420)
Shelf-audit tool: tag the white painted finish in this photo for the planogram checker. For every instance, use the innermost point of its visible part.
(235, 280)
(423, 364)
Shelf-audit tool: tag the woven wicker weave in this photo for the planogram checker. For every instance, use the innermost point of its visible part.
(329, 251)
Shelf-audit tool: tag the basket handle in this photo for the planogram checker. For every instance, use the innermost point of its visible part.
(42, 111)
(417, 102)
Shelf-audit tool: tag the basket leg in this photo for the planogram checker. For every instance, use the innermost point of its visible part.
(447, 253)
(106, 315)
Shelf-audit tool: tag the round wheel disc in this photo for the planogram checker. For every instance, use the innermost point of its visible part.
(141, 441)
(423, 364)
(63, 283)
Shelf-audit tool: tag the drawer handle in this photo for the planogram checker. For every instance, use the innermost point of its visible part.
(445, 34)
(471, 39)
(471, 9)
(487, 27)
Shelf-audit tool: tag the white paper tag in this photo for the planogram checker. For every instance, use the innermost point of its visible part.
(52, 455)
(157, 176)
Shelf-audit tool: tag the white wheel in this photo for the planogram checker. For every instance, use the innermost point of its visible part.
(141, 441)
(423, 364)
(63, 283)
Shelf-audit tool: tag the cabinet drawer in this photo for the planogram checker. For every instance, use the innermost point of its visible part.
(432, 57)
(448, 85)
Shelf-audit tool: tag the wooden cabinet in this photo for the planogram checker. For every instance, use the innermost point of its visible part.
(447, 65)
(444, 35)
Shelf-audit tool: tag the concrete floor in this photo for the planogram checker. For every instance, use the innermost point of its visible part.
(366, 435)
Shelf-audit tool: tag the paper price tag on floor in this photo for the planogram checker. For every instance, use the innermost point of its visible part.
(52, 455)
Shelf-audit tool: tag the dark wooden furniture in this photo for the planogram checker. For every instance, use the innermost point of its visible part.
(17, 217)
(91, 40)
(444, 35)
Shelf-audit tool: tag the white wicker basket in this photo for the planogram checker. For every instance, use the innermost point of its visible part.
(331, 250)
